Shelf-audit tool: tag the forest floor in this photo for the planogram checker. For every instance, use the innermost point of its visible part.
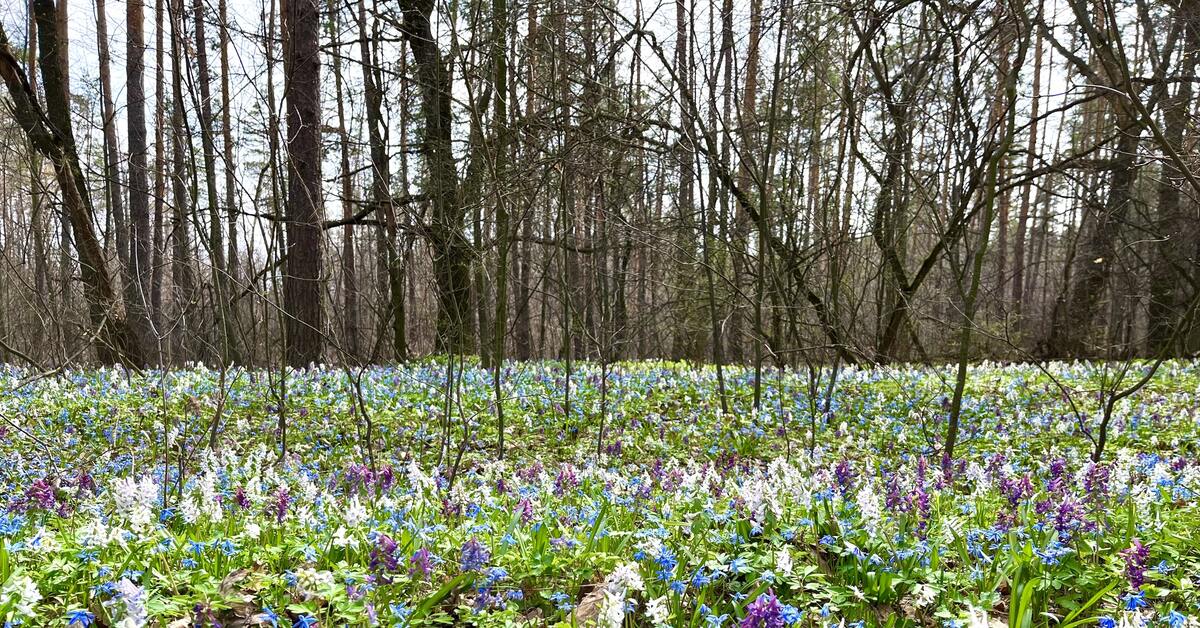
(161, 499)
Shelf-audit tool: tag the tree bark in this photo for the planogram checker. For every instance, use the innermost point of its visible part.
(302, 289)
(451, 252)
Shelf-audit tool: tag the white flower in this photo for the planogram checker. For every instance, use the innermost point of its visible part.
(951, 527)
(189, 510)
(342, 539)
(924, 594)
(93, 533)
(44, 542)
(977, 618)
(1131, 619)
(356, 514)
(868, 507)
(783, 561)
(252, 531)
(135, 501)
(310, 582)
(612, 610)
(209, 497)
(133, 598)
(626, 578)
(22, 592)
(657, 611)
(304, 514)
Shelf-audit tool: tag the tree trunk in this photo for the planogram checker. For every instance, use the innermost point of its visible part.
(349, 314)
(451, 252)
(1173, 260)
(302, 291)
(50, 133)
(138, 290)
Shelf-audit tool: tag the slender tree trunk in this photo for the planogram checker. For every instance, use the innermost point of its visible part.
(140, 258)
(215, 245)
(182, 274)
(349, 314)
(230, 272)
(451, 252)
(113, 189)
(302, 291)
(1027, 191)
(157, 263)
(1174, 257)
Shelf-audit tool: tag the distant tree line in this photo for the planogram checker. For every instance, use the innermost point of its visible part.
(772, 182)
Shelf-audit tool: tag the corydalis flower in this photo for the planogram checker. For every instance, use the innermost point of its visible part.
(240, 498)
(1016, 489)
(383, 555)
(474, 556)
(21, 594)
(278, 507)
(764, 612)
(421, 562)
(40, 495)
(565, 481)
(133, 599)
(1095, 482)
(844, 475)
(525, 508)
(1135, 563)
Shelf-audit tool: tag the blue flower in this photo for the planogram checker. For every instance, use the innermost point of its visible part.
(1136, 600)
(1107, 622)
(400, 611)
(562, 601)
(305, 621)
(270, 616)
(715, 621)
(81, 617)
(1176, 619)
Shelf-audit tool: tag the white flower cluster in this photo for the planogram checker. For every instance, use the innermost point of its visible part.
(129, 604)
(618, 587)
(135, 501)
(21, 593)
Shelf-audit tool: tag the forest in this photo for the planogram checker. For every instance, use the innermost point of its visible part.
(599, 313)
(782, 183)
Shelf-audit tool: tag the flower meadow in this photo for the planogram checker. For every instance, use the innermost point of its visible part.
(162, 499)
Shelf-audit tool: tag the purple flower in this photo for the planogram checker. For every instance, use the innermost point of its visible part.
(474, 555)
(1069, 516)
(844, 475)
(39, 495)
(279, 505)
(525, 508)
(383, 555)
(764, 612)
(1095, 482)
(359, 476)
(565, 481)
(385, 478)
(1016, 489)
(896, 499)
(240, 498)
(1135, 563)
(85, 482)
(421, 562)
